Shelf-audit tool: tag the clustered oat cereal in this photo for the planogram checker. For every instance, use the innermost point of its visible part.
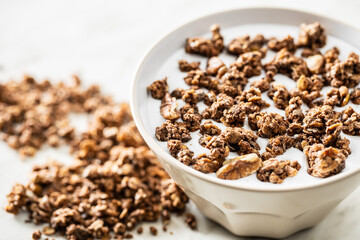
(316, 132)
(114, 183)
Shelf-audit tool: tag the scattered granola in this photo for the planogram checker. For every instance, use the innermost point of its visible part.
(114, 183)
(36, 113)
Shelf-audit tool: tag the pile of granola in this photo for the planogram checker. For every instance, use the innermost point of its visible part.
(114, 183)
(224, 90)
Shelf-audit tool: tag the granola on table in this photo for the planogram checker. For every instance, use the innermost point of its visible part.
(306, 117)
(114, 182)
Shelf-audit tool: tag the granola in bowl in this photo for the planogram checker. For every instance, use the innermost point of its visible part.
(265, 98)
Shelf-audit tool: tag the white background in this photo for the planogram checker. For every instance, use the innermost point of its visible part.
(103, 41)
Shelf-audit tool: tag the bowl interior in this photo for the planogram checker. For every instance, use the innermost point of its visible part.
(161, 61)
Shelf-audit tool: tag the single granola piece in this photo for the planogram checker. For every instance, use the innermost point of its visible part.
(320, 120)
(264, 83)
(355, 96)
(209, 98)
(251, 101)
(158, 89)
(345, 73)
(234, 116)
(216, 109)
(287, 42)
(206, 47)
(172, 197)
(232, 82)
(36, 235)
(217, 145)
(207, 164)
(240, 140)
(177, 93)
(209, 128)
(239, 167)
(351, 121)
(190, 96)
(191, 117)
(186, 66)
(168, 108)
(312, 35)
(180, 152)
(331, 57)
(249, 63)
(269, 125)
(16, 199)
(286, 63)
(276, 171)
(172, 130)
(315, 63)
(190, 220)
(244, 44)
(306, 96)
(293, 112)
(294, 115)
(324, 162)
(308, 52)
(310, 84)
(280, 95)
(337, 97)
(277, 146)
(213, 65)
(199, 78)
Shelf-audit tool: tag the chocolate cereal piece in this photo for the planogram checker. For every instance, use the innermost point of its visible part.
(172, 130)
(337, 97)
(324, 162)
(276, 171)
(277, 146)
(209, 128)
(240, 140)
(190, 220)
(280, 95)
(186, 66)
(286, 63)
(351, 121)
(345, 73)
(355, 96)
(206, 47)
(287, 42)
(213, 65)
(245, 44)
(249, 63)
(312, 35)
(158, 89)
(207, 164)
(268, 124)
(180, 151)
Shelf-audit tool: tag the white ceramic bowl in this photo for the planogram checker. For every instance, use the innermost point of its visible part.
(263, 210)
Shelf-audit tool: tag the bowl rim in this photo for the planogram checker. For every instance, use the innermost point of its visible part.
(155, 147)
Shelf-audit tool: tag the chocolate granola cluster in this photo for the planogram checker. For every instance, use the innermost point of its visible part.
(230, 101)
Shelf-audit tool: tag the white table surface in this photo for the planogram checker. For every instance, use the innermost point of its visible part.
(103, 41)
